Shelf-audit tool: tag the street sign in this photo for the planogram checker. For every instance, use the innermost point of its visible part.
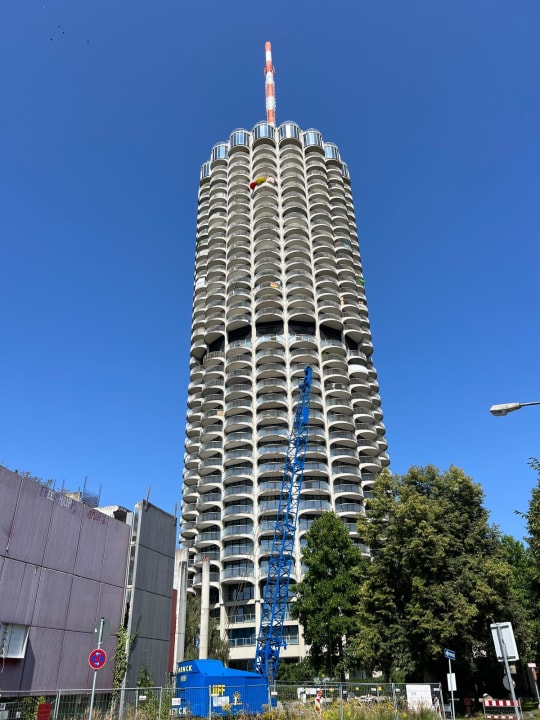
(449, 654)
(97, 658)
(105, 632)
(507, 636)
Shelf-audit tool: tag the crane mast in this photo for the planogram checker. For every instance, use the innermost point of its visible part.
(276, 591)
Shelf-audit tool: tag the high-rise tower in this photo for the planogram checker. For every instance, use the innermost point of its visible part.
(278, 286)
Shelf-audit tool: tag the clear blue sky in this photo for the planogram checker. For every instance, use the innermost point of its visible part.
(108, 111)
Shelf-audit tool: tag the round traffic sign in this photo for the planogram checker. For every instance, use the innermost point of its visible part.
(97, 658)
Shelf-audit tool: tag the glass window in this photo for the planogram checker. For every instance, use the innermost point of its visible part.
(312, 137)
(263, 130)
(13, 639)
(345, 171)
(331, 151)
(289, 130)
(239, 137)
(220, 152)
(206, 170)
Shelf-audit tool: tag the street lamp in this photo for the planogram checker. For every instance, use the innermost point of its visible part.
(506, 408)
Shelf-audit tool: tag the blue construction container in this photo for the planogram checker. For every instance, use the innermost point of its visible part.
(203, 685)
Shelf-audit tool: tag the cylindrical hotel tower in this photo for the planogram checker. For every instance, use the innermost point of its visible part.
(278, 286)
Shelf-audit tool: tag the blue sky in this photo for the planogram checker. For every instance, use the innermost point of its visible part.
(108, 111)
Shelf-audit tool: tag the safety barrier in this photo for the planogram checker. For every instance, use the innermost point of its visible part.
(489, 703)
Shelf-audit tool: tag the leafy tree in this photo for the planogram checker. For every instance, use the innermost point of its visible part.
(327, 598)
(533, 528)
(295, 672)
(218, 649)
(437, 578)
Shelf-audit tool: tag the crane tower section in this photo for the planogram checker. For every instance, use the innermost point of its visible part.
(276, 591)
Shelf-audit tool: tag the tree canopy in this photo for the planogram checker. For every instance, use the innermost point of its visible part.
(327, 598)
(437, 578)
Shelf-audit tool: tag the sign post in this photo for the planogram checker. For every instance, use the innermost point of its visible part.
(97, 660)
(532, 670)
(451, 655)
(503, 634)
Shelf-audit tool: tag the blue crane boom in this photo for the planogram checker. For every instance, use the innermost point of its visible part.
(276, 591)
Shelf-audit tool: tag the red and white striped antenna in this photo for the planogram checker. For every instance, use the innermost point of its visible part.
(269, 86)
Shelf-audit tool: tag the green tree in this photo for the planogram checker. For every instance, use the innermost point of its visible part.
(437, 578)
(295, 672)
(218, 649)
(533, 537)
(327, 598)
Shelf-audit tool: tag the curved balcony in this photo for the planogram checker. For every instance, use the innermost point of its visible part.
(366, 430)
(237, 529)
(211, 553)
(210, 464)
(315, 451)
(350, 489)
(238, 454)
(238, 439)
(237, 423)
(237, 572)
(305, 355)
(239, 362)
(237, 549)
(349, 508)
(209, 518)
(238, 491)
(268, 506)
(345, 470)
(340, 421)
(237, 391)
(238, 472)
(314, 485)
(317, 505)
(270, 291)
(210, 448)
(209, 483)
(274, 432)
(271, 450)
(367, 447)
(370, 463)
(271, 400)
(363, 415)
(238, 510)
(207, 537)
(189, 511)
(241, 406)
(272, 384)
(269, 487)
(213, 358)
(188, 529)
(339, 404)
(208, 500)
(340, 451)
(269, 342)
(270, 417)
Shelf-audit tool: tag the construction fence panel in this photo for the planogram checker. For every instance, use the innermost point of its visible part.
(122, 704)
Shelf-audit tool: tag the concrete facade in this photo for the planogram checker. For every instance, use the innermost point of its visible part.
(278, 285)
(149, 592)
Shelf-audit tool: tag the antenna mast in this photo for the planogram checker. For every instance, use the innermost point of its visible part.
(269, 86)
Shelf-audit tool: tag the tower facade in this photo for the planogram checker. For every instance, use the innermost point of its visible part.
(278, 286)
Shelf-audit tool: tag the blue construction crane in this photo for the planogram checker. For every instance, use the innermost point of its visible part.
(276, 591)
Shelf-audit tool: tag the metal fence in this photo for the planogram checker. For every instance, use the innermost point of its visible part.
(309, 700)
(127, 704)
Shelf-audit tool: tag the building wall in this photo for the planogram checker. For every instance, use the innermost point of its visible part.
(149, 592)
(278, 285)
(62, 567)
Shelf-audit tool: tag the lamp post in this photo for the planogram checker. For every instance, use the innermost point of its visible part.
(506, 408)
